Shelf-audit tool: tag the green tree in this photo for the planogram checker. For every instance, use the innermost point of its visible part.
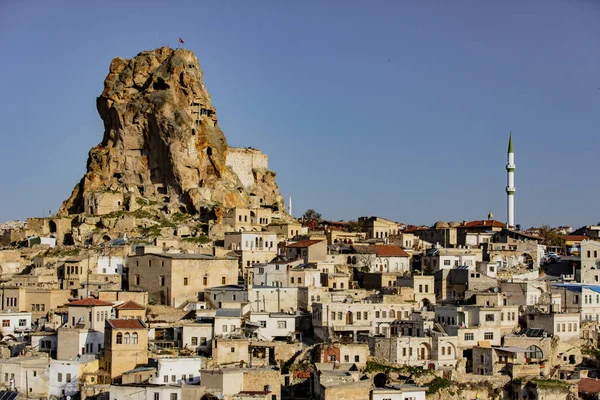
(550, 236)
(311, 215)
(354, 226)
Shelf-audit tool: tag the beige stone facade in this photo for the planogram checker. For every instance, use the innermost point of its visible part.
(171, 279)
(125, 346)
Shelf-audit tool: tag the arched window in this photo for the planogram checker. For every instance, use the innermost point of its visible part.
(134, 338)
(127, 337)
(119, 338)
(349, 261)
(354, 260)
(392, 314)
(534, 352)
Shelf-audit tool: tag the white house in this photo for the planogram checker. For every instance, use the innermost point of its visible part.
(273, 325)
(399, 392)
(384, 258)
(273, 273)
(15, 322)
(64, 375)
(441, 258)
(181, 370)
(108, 265)
(26, 375)
(228, 321)
(197, 336)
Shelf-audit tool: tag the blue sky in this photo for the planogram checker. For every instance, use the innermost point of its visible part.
(400, 109)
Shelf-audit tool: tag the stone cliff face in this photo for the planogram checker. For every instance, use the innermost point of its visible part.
(162, 145)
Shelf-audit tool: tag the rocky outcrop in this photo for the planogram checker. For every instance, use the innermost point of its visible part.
(163, 147)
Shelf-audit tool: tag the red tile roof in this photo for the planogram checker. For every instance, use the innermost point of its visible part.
(483, 223)
(574, 238)
(89, 303)
(304, 243)
(126, 324)
(130, 305)
(589, 386)
(389, 251)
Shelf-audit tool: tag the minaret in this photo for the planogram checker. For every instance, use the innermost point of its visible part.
(290, 206)
(510, 188)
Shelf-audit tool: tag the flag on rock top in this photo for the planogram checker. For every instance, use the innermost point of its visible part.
(180, 40)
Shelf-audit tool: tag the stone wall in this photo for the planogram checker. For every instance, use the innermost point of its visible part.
(243, 161)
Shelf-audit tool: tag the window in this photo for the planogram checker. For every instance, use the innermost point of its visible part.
(426, 288)
(447, 262)
(127, 338)
(6, 322)
(292, 279)
(162, 280)
(195, 341)
(134, 338)
(333, 315)
(281, 324)
(488, 335)
(223, 281)
(233, 349)
(489, 317)
(534, 352)
(340, 317)
(331, 358)
(358, 315)
(443, 351)
(185, 281)
(202, 341)
(59, 378)
(119, 338)
(299, 280)
(156, 396)
(346, 358)
(365, 315)
(377, 314)
(137, 282)
(224, 328)
(420, 288)
(205, 281)
(173, 378)
(166, 378)
(469, 336)
(68, 377)
(404, 352)
(22, 322)
(356, 358)
(384, 314)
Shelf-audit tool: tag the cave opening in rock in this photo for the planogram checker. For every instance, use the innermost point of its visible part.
(160, 84)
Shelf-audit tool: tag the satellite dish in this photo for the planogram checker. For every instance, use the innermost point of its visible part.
(495, 290)
(68, 397)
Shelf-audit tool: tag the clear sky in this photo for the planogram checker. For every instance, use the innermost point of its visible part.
(400, 109)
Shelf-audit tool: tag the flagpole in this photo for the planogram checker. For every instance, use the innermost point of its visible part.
(156, 37)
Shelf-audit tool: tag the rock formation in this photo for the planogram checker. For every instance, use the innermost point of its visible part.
(162, 146)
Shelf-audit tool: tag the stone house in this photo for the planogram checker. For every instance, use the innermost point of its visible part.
(590, 262)
(273, 299)
(244, 219)
(125, 345)
(130, 310)
(198, 336)
(177, 370)
(423, 289)
(416, 342)
(332, 353)
(27, 375)
(564, 325)
(382, 258)
(399, 392)
(491, 361)
(349, 320)
(274, 273)
(15, 323)
(308, 250)
(172, 279)
(74, 342)
(269, 326)
(228, 321)
(582, 298)
(65, 376)
(89, 314)
(288, 230)
(38, 301)
(379, 228)
(305, 275)
(253, 248)
(438, 258)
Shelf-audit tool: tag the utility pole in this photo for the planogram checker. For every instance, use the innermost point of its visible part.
(257, 302)
(327, 325)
